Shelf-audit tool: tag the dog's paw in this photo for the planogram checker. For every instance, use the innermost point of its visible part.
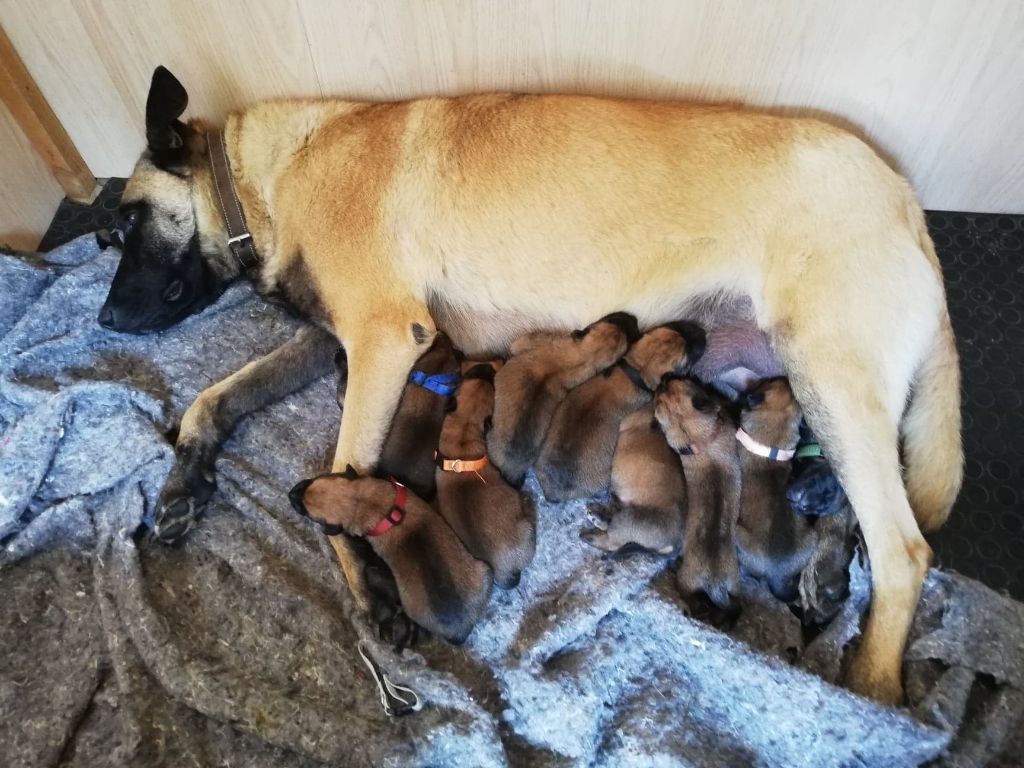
(182, 500)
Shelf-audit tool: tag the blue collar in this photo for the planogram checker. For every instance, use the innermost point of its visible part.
(442, 384)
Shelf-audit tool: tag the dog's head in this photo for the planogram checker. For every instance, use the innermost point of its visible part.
(332, 501)
(686, 412)
(172, 264)
(669, 349)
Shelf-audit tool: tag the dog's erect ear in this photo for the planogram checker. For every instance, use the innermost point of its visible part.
(350, 473)
(166, 135)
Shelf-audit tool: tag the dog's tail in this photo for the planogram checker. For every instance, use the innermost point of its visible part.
(932, 451)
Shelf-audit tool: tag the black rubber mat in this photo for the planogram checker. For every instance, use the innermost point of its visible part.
(983, 261)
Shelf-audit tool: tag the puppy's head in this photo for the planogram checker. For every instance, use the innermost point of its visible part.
(669, 349)
(769, 412)
(814, 489)
(474, 401)
(333, 501)
(440, 358)
(687, 413)
(606, 340)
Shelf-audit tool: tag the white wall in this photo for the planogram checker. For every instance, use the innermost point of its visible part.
(938, 85)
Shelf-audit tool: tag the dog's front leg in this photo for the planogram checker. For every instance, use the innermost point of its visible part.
(380, 356)
(210, 419)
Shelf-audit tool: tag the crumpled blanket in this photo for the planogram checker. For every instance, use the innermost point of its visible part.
(239, 646)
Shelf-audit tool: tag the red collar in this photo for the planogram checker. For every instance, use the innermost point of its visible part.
(396, 514)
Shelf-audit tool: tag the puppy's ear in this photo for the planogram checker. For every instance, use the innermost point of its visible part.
(752, 400)
(577, 335)
(703, 403)
(626, 323)
(451, 405)
(350, 473)
(694, 336)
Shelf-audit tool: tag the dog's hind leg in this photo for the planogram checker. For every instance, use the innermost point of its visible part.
(210, 419)
(853, 399)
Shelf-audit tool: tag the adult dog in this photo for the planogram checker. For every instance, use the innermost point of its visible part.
(491, 216)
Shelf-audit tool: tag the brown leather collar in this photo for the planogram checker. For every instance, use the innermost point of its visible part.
(239, 237)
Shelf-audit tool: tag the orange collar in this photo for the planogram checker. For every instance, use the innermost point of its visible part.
(459, 465)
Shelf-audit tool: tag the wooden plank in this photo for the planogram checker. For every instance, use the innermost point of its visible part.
(29, 195)
(19, 93)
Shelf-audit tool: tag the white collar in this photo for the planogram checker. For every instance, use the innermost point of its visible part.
(765, 451)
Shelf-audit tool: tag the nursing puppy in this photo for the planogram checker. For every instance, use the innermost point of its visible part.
(698, 428)
(485, 512)
(543, 368)
(648, 507)
(408, 452)
(813, 488)
(441, 586)
(576, 459)
(774, 543)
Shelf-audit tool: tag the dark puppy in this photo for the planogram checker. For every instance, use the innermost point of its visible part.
(485, 512)
(543, 368)
(648, 506)
(442, 587)
(697, 426)
(774, 543)
(813, 488)
(576, 459)
(408, 452)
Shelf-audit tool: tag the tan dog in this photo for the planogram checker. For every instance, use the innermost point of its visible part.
(442, 587)
(576, 459)
(408, 452)
(530, 386)
(698, 428)
(775, 543)
(648, 506)
(497, 215)
(483, 510)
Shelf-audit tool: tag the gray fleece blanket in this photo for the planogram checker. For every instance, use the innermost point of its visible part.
(238, 648)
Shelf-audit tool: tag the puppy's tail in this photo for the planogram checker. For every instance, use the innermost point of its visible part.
(933, 455)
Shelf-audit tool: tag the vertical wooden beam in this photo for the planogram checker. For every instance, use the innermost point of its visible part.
(41, 126)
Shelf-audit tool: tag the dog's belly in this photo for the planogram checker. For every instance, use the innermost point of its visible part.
(734, 340)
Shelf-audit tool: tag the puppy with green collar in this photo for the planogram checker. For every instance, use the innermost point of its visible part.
(485, 512)
(576, 460)
(442, 587)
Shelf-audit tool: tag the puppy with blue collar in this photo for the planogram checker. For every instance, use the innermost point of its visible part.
(408, 452)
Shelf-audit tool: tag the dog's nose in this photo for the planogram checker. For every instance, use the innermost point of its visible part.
(106, 318)
(297, 495)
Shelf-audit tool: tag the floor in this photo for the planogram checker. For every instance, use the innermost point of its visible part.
(983, 262)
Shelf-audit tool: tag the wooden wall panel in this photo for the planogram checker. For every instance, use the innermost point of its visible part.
(938, 85)
(29, 195)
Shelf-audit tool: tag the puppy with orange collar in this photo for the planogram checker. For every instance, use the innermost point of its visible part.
(485, 512)
(442, 587)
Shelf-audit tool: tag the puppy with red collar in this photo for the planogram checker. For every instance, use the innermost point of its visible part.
(442, 587)
(774, 543)
(485, 512)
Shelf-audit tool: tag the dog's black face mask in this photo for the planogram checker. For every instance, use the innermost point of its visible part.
(158, 282)
(163, 276)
